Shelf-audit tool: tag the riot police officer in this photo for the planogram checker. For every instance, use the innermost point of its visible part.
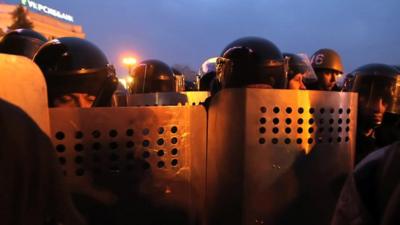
(32, 189)
(152, 76)
(328, 66)
(371, 194)
(252, 62)
(377, 86)
(23, 42)
(77, 73)
(206, 74)
(249, 62)
(180, 83)
(348, 81)
(299, 71)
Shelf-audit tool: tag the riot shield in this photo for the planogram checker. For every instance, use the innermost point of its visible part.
(168, 98)
(278, 156)
(23, 84)
(140, 165)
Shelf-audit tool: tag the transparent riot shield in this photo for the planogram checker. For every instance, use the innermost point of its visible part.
(23, 84)
(168, 98)
(278, 156)
(141, 165)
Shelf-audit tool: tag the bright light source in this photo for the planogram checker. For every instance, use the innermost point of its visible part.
(123, 82)
(129, 80)
(129, 61)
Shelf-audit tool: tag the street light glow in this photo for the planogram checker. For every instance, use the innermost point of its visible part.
(129, 61)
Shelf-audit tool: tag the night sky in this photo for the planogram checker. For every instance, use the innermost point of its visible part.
(190, 31)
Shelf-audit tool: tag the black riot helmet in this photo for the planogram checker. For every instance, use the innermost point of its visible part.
(74, 65)
(206, 80)
(379, 81)
(251, 61)
(327, 59)
(348, 82)
(23, 42)
(152, 76)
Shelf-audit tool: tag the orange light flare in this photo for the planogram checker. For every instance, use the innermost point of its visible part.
(129, 61)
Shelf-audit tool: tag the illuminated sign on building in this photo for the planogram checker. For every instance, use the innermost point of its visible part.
(42, 8)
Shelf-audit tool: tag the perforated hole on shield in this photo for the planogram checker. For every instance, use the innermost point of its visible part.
(288, 130)
(79, 135)
(146, 154)
(160, 164)
(174, 129)
(96, 134)
(60, 148)
(275, 130)
(160, 141)
(78, 160)
(174, 151)
(113, 145)
(174, 162)
(146, 165)
(113, 133)
(263, 109)
(60, 135)
(160, 153)
(129, 132)
(79, 147)
(262, 130)
(145, 131)
(146, 143)
(289, 110)
(174, 140)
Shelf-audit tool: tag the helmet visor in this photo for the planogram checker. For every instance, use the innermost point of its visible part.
(305, 69)
(241, 74)
(384, 91)
(144, 82)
